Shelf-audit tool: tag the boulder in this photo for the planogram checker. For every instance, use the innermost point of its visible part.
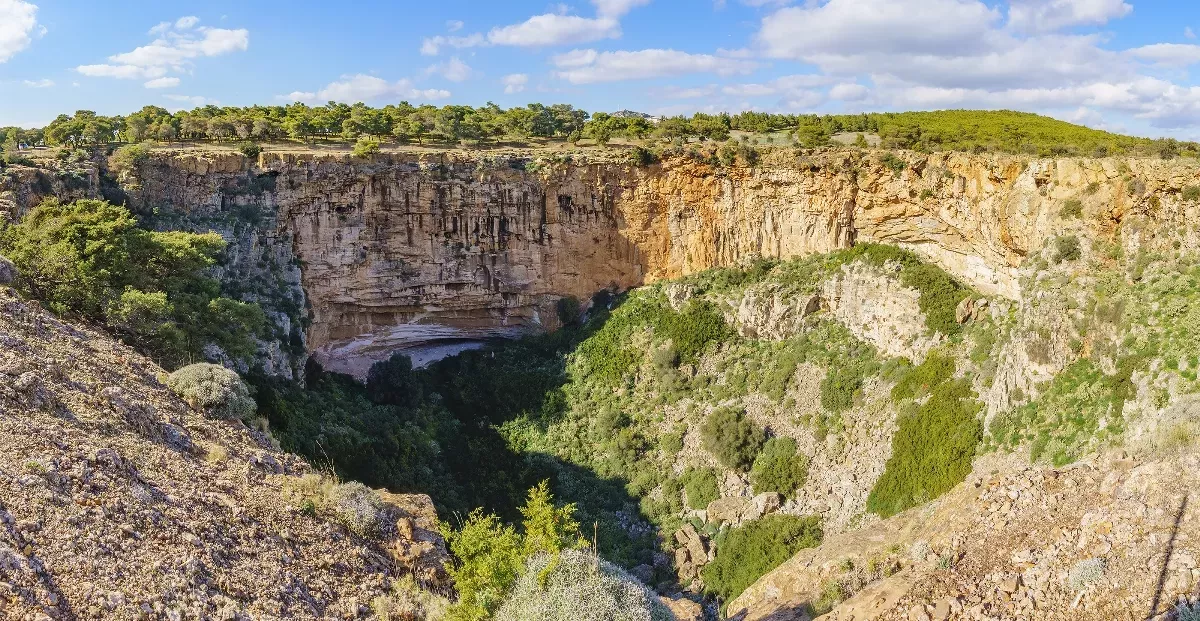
(767, 503)
(684, 609)
(732, 510)
(8, 271)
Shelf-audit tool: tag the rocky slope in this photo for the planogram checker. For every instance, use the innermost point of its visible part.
(408, 250)
(118, 501)
(1111, 539)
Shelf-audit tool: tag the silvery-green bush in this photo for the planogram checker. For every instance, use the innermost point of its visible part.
(579, 586)
(357, 507)
(214, 389)
(1085, 573)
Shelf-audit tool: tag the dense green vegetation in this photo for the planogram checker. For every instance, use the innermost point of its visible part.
(778, 468)
(935, 443)
(747, 553)
(963, 130)
(732, 439)
(91, 260)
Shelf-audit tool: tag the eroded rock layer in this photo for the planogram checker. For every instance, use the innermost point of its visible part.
(409, 251)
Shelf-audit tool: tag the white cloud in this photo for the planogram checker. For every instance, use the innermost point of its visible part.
(454, 70)
(1172, 54)
(122, 72)
(514, 82)
(553, 29)
(587, 66)
(1051, 15)
(454, 25)
(616, 8)
(677, 92)
(849, 91)
(575, 58)
(191, 101)
(18, 19)
(432, 46)
(174, 50)
(865, 28)
(362, 87)
(43, 83)
(1189, 33)
(162, 83)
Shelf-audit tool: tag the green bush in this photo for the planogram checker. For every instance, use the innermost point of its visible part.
(129, 157)
(579, 585)
(366, 147)
(1071, 209)
(357, 507)
(90, 259)
(733, 439)
(250, 149)
(931, 451)
(692, 330)
(778, 468)
(214, 389)
(700, 487)
(840, 386)
(920, 380)
(1192, 193)
(1067, 248)
(492, 556)
(642, 157)
(748, 553)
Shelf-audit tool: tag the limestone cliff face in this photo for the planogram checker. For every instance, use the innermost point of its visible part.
(413, 250)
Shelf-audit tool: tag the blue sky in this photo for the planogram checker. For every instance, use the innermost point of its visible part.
(1123, 65)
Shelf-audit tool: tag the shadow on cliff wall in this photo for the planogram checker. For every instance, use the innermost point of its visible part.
(464, 430)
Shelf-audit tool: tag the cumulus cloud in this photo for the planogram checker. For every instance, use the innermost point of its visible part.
(849, 92)
(1171, 54)
(43, 83)
(1051, 15)
(589, 66)
(554, 29)
(514, 82)
(362, 87)
(18, 23)
(454, 70)
(178, 45)
(616, 8)
(432, 46)
(454, 25)
(162, 83)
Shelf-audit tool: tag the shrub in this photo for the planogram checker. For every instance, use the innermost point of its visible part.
(926, 194)
(409, 602)
(641, 156)
(1186, 611)
(700, 487)
(778, 468)
(921, 379)
(931, 451)
(489, 562)
(214, 389)
(92, 260)
(1067, 248)
(731, 438)
(747, 553)
(366, 147)
(580, 585)
(692, 330)
(357, 507)
(129, 157)
(250, 149)
(1192, 193)
(1085, 573)
(1071, 209)
(840, 385)
(893, 163)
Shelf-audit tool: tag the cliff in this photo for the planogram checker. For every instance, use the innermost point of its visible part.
(412, 250)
